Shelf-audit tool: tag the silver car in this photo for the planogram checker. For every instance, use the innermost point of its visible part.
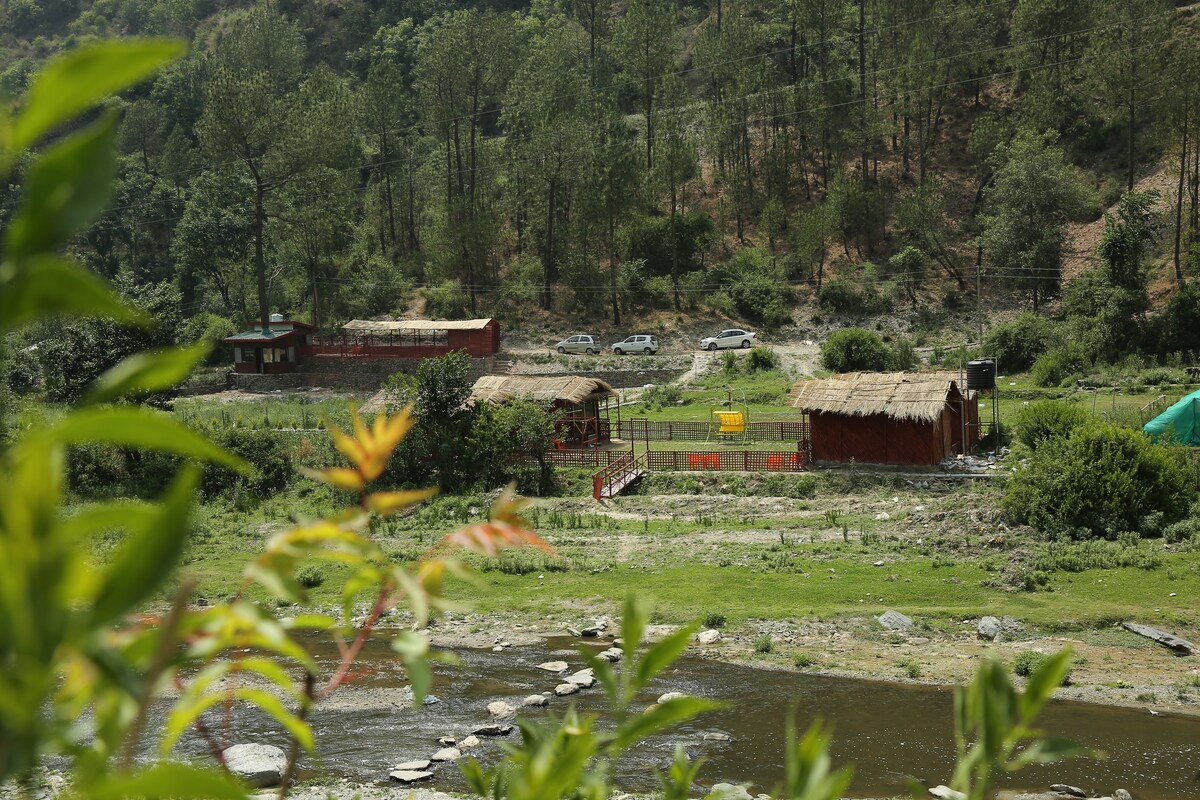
(578, 344)
(647, 345)
(734, 337)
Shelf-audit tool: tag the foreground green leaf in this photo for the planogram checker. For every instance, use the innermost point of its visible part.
(143, 373)
(50, 285)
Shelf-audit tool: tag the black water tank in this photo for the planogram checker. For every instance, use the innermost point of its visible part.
(981, 374)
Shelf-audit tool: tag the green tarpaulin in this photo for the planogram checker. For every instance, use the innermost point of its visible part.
(1180, 423)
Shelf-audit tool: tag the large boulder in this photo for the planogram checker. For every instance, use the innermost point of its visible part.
(895, 621)
(409, 775)
(501, 709)
(564, 689)
(536, 701)
(728, 791)
(669, 696)
(989, 629)
(447, 754)
(553, 666)
(710, 636)
(584, 679)
(413, 766)
(256, 764)
(493, 730)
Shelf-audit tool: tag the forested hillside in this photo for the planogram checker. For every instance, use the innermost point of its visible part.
(603, 159)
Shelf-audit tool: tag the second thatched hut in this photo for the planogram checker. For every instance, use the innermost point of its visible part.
(893, 418)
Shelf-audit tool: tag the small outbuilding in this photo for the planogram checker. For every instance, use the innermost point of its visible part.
(582, 403)
(271, 349)
(896, 418)
(1179, 424)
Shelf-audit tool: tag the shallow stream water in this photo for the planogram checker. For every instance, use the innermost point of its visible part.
(890, 731)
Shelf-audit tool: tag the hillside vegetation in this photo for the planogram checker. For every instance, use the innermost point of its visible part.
(610, 159)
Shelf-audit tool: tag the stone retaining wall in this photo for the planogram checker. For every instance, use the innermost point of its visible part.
(366, 374)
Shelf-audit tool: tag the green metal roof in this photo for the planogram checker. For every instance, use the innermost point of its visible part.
(258, 336)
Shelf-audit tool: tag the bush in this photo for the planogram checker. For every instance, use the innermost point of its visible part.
(1102, 480)
(1030, 661)
(763, 644)
(266, 452)
(659, 395)
(798, 487)
(1018, 343)
(911, 668)
(855, 349)
(761, 359)
(446, 301)
(729, 363)
(1059, 364)
(714, 620)
(904, 355)
(803, 661)
(310, 576)
(1048, 419)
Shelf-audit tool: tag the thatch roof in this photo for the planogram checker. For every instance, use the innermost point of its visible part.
(399, 325)
(567, 388)
(919, 396)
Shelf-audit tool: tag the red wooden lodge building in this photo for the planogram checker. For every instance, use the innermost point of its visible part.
(896, 418)
(288, 346)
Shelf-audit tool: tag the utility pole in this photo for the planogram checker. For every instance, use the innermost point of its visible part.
(979, 292)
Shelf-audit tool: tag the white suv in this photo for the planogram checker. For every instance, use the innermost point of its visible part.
(578, 344)
(734, 337)
(647, 345)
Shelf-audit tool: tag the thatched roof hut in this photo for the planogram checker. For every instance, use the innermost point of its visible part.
(563, 389)
(887, 417)
(578, 401)
(916, 396)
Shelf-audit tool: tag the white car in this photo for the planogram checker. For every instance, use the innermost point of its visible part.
(647, 345)
(578, 344)
(734, 337)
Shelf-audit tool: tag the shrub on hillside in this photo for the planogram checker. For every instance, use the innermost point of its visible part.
(855, 349)
(1018, 343)
(264, 450)
(447, 300)
(761, 359)
(854, 295)
(1047, 419)
(1102, 480)
(904, 355)
(1060, 364)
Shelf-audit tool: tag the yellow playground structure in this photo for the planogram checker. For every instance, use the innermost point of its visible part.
(732, 424)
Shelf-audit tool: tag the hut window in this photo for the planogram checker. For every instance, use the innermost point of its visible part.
(268, 355)
(237, 354)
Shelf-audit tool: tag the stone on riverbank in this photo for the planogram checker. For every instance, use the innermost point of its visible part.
(946, 793)
(409, 775)
(553, 666)
(669, 696)
(447, 741)
(612, 655)
(470, 741)
(536, 701)
(895, 621)
(499, 708)
(710, 636)
(256, 764)
(1064, 788)
(728, 791)
(447, 754)
(564, 689)
(1122, 794)
(584, 679)
(493, 730)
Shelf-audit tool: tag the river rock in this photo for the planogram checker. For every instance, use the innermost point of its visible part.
(717, 736)
(1067, 789)
(553, 666)
(1122, 794)
(728, 791)
(895, 621)
(669, 696)
(256, 764)
(564, 689)
(988, 628)
(710, 636)
(499, 708)
(427, 700)
(574, 632)
(584, 679)
(447, 754)
(409, 775)
(535, 701)
(612, 655)
(470, 741)
(413, 766)
(447, 741)
(946, 793)
(590, 633)
(494, 729)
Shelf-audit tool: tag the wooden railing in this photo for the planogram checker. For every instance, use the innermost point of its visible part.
(728, 460)
(640, 429)
(608, 482)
